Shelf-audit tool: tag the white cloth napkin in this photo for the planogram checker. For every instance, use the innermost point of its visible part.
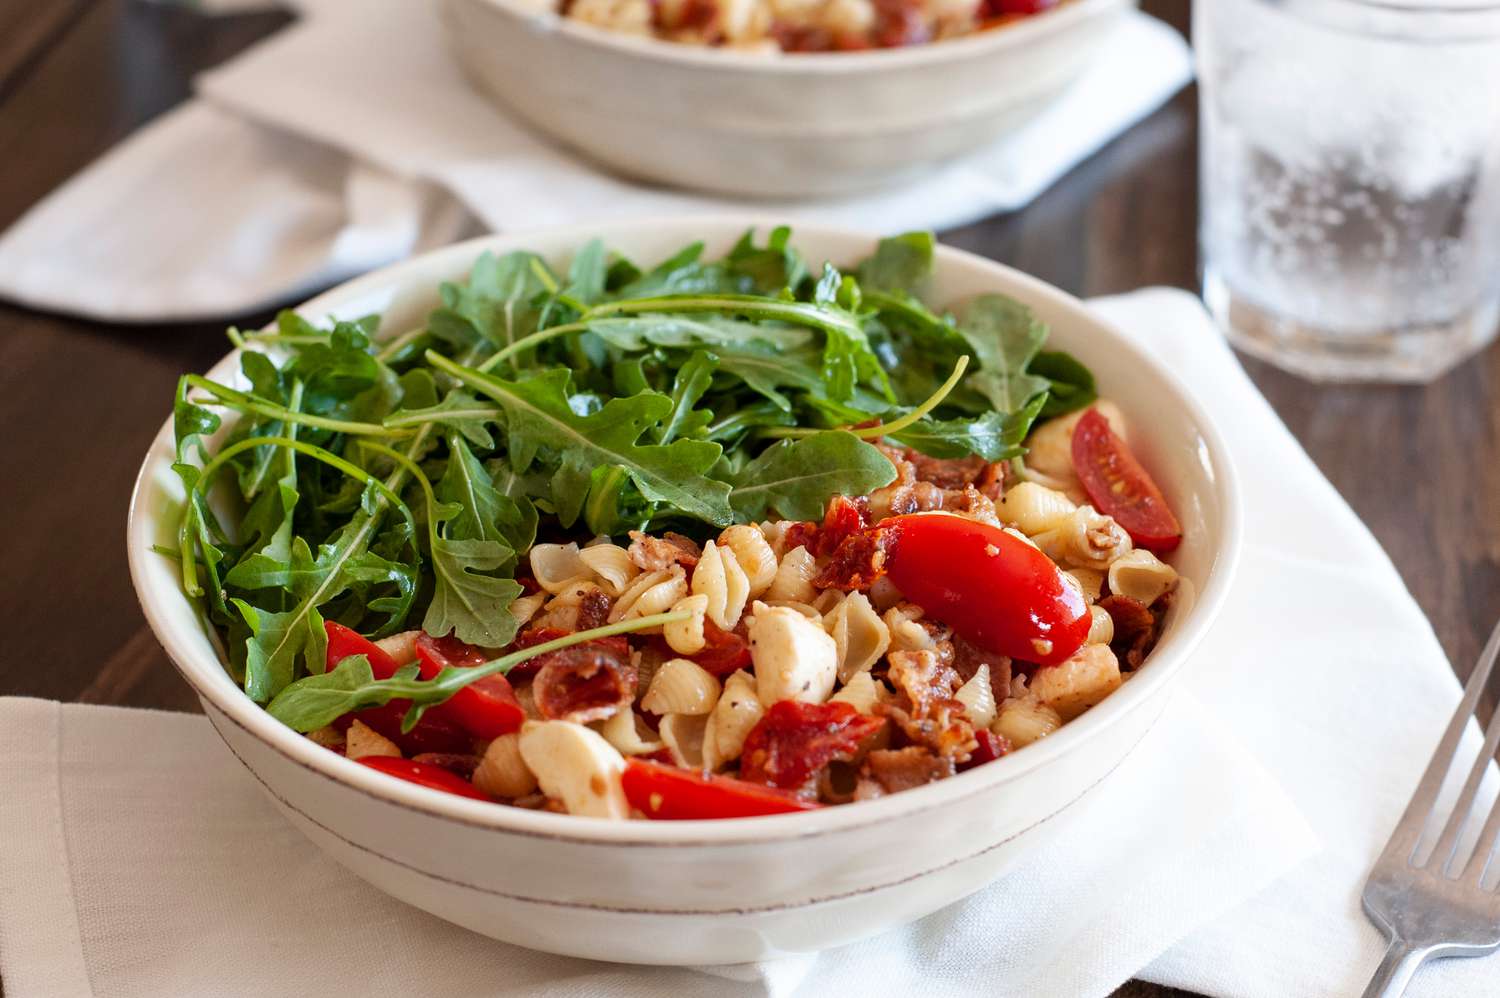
(350, 140)
(140, 860)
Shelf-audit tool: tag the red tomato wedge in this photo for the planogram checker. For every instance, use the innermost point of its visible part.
(1119, 487)
(672, 794)
(988, 585)
(345, 641)
(486, 708)
(437, 732)
(424, 774)
(794, 741)
(723, 651)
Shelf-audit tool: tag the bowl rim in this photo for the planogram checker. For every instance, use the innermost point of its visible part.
(1022, 33)
(212, 683)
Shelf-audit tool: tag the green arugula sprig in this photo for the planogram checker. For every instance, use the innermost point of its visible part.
(351, 685)
(365, 481)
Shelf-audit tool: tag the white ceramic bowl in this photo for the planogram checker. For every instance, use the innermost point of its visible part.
(774, 125)
(705, 891)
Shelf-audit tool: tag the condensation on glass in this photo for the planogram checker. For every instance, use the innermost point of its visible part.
(1350, 225)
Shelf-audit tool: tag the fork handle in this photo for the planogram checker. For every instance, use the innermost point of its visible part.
(1395, 971)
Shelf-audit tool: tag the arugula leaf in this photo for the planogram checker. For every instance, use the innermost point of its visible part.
(1005, 336)
(458, 411)
(588, 272)
(797, 477)
(1071, 384)
(496, 305)
(765, 371)
(276, 639)
(693, 379)
(994, 436)
(540, 416)
(351, 685)
(467, 602)
(900, 263)
(770, 268)
(637, 332)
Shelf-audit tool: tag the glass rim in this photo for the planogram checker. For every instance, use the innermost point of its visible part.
(1414, 21)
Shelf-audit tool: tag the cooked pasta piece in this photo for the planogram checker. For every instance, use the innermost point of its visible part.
(754, 555)
(681, 687)
(978, 699)
(327, 736)
(806, 609)
(1101, 626)
(827, 600)
(884, 594)
(554, 566)
(1074, 686)
(611, 566)
(566, 609)
(1141, 575)
(859, 635)
(1090, 580)
(628, 733)
(793, 581)
(1033, 508)
(739, 709)
(1086, 539)
(906, 633)
(862, 692)
(685, 637)
(775, 532)
(719, 576)
(650, 593)
(1023, 720)
(523, 608)
(502, 772)
(361, 741)
(575, 766)
(402, 647)
(683, 734)
(795, 659)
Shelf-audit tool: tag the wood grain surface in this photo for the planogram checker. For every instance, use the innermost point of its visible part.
(80, 401)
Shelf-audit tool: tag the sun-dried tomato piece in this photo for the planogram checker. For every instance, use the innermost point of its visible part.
(801, 534)
(723, 651)
(792, 744)
(844, 518)
(890, 771)
(586, 682)
(991, 747)
(859, 561)
(531, 637)
(1135, 629)
(458, 763)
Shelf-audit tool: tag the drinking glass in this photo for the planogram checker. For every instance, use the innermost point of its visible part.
(1350, 172)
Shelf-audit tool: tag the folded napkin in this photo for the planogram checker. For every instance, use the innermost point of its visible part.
(351, 140)
(140, 859)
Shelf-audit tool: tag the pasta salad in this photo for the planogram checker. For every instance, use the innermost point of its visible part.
(718, 538)
(800, 25)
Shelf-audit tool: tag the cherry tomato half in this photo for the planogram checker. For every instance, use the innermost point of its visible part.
(424, 774)
(345, 641)
(988, 585)
(436, 732)
(1119, 487)
(673, 794)
(486, 708)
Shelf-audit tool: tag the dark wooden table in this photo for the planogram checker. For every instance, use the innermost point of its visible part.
(80, 401)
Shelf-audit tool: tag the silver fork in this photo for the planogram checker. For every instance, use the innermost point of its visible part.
(1425, 908)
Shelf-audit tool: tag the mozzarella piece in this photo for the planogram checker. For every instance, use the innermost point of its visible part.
(795, 659)
(576, 766)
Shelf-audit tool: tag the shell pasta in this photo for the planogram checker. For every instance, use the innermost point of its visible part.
(680, 539)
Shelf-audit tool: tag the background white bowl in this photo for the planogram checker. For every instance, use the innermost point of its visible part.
(727, 891)
(797, 125)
